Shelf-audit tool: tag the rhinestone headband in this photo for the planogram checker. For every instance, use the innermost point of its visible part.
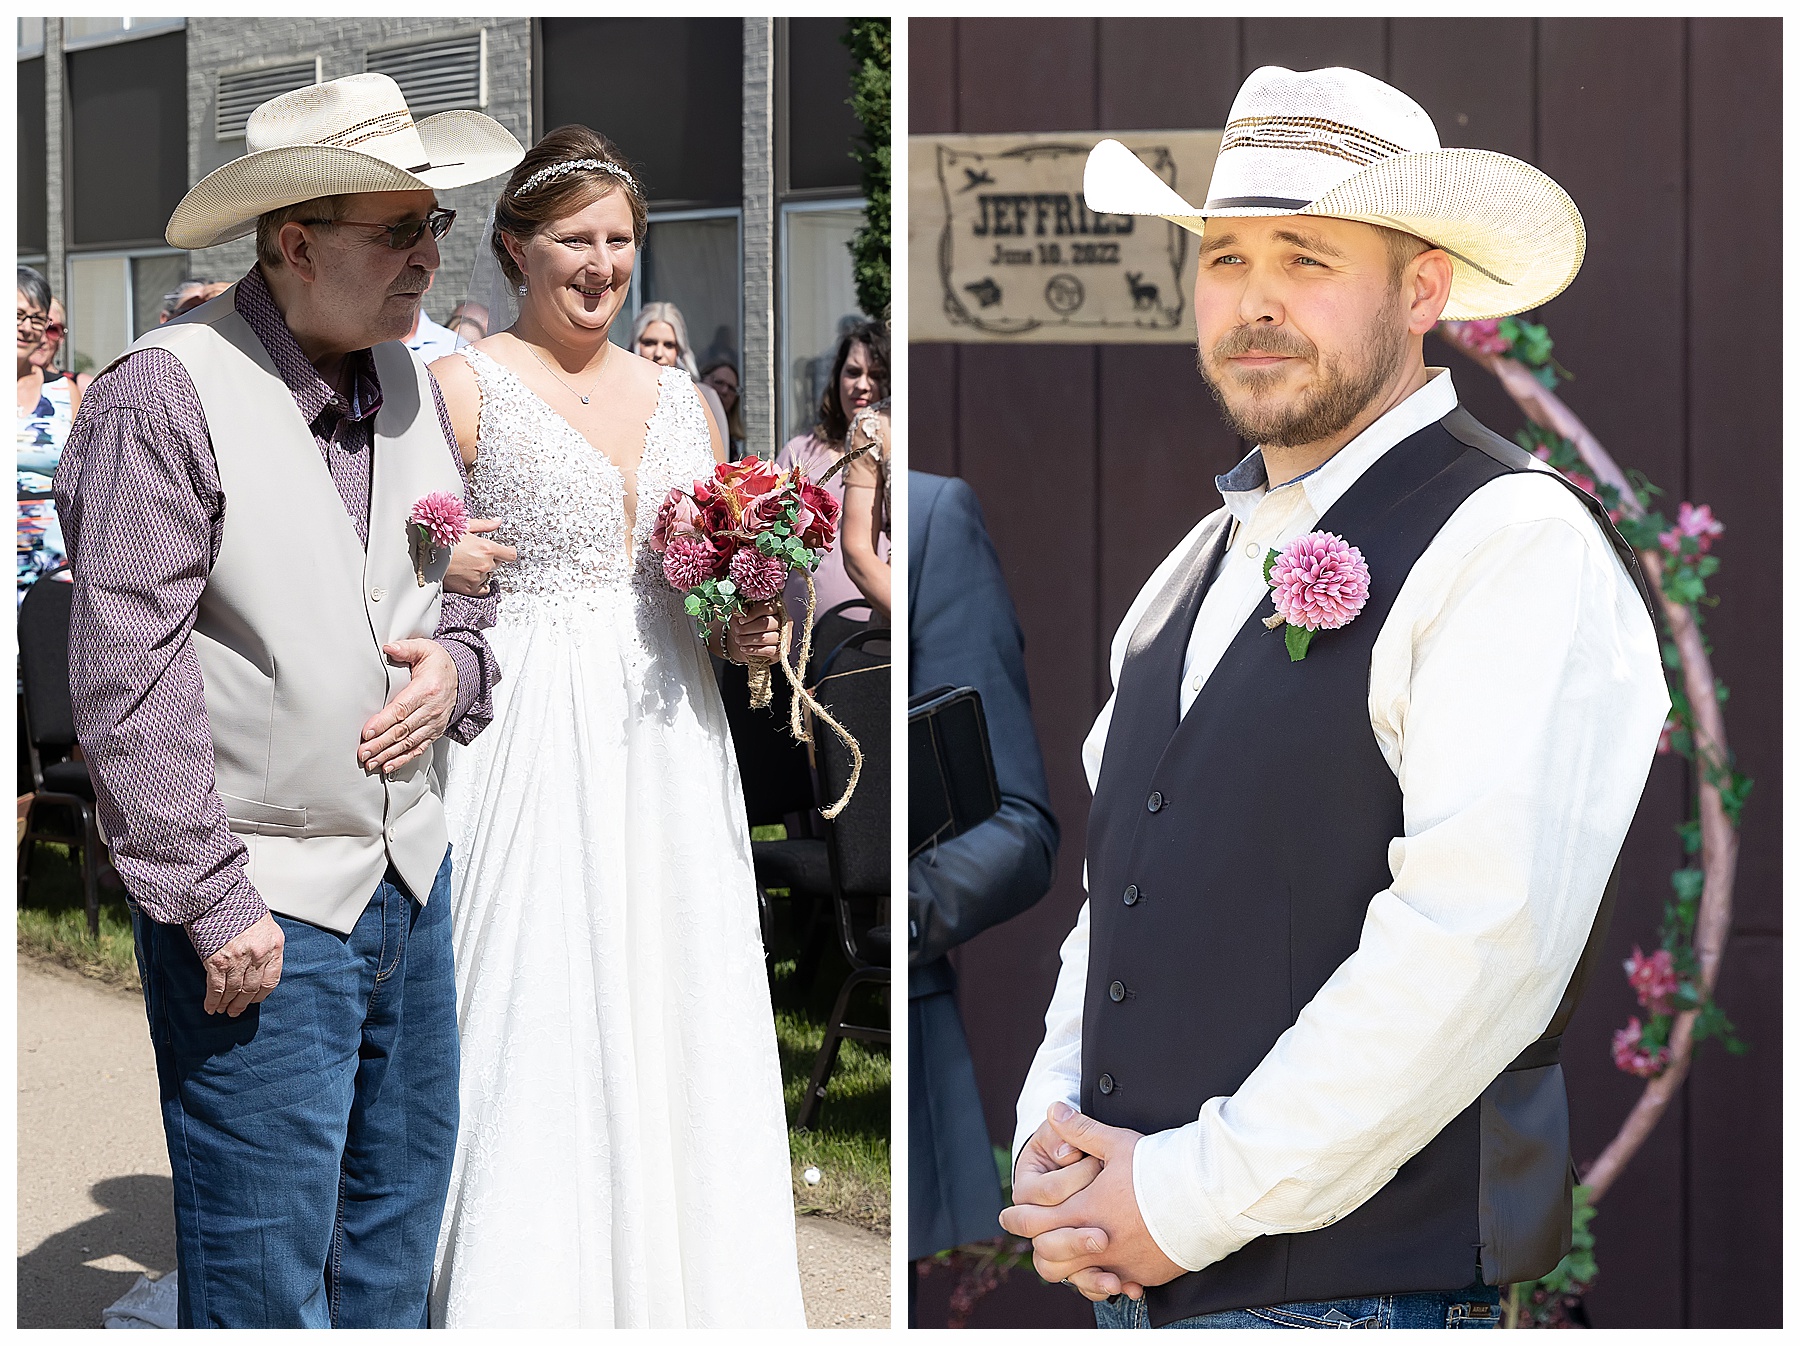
(568, 166)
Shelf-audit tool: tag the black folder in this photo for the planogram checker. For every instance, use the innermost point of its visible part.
(950, 765)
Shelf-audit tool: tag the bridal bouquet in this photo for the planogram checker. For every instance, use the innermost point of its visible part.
(733, 539)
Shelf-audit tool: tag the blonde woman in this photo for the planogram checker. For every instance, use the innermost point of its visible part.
(660, 335)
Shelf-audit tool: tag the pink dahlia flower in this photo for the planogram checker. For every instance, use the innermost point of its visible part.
(1653, 979)
(442, 516)
(757, 577)
(1695, 521)
(1320, 581)
(690, 560)
(1629, 1054)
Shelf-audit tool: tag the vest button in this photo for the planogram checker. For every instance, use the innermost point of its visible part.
(1131, 895)
(1106, 1084)
(377, 594)
(1156, 800)
(1116, 991)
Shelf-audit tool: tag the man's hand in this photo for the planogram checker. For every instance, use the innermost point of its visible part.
(419, 712)
(754, 633)
(472, 563)
(244, 972)
(1095, 1238)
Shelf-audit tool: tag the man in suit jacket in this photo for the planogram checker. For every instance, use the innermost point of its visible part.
(964, 633)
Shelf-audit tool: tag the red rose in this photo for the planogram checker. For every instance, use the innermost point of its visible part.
(819, 511)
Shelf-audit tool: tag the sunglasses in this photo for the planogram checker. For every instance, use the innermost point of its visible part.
(407, 233)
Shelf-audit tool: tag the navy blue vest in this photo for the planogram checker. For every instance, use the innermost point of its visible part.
(1232, 855)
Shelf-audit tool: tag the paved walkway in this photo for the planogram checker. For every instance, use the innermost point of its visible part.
(94, 1189)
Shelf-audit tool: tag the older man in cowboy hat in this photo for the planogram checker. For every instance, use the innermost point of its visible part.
(1379, 726)
(258, 678)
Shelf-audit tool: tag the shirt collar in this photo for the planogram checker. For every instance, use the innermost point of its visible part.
(312, 394)
(1246, 484)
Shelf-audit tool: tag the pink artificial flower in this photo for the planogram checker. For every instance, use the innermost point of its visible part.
(818, 516)
(442, 516)
(757, 577)
(1695, 521)
(1320, 581)
(690, 560)
(678, 514)
(1629, 1055)
(1483, 335)
(1653, 979)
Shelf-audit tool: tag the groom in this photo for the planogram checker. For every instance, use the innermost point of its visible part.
(1301, 1064)
(258, 678)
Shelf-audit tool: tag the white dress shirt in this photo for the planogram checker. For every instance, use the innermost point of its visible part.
(1517, 693)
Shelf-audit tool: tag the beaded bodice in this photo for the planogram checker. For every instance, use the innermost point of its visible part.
(563, 501)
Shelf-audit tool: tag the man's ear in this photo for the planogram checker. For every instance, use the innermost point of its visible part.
(297, 250)
(1427, 286)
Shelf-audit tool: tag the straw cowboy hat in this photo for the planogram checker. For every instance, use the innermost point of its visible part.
(1339, 143)
(348, 135)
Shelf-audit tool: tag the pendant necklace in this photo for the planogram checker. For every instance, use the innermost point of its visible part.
(559, 378)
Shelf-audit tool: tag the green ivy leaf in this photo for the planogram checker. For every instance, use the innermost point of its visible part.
(1269, 559)
(1298, 638)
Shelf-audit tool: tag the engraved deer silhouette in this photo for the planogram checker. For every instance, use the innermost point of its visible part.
(1142, 296)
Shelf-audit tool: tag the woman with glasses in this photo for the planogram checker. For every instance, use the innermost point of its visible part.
(46, 407)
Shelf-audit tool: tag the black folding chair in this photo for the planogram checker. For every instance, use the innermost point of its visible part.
(58, 778)
(855, 687)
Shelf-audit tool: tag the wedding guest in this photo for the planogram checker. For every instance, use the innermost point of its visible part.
(859, 378)
(429, 340)
(867, 514)
(47, 403)
(469, 320)
(963, 632)
(722, 377)
(190, 294)
(660, 334)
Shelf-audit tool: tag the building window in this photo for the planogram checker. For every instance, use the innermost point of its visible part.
(818, 303)
(671, 98)
(113, 298)
(694, 259)
(128, 139)
(33, 163)
(88, 32)
(821, 128)
(439, 75)
(31, 38)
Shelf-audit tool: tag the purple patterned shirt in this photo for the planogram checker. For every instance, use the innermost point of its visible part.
(142, 512)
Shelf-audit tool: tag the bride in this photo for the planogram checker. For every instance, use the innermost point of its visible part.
(623, 1157)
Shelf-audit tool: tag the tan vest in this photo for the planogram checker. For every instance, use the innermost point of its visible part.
(292, 620)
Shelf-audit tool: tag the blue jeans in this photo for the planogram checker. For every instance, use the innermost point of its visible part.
(1474, 1306)
(311, 1137)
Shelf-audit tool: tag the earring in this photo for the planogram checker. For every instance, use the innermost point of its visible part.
(521, 289)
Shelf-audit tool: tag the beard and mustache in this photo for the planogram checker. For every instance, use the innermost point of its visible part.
(1342, 389)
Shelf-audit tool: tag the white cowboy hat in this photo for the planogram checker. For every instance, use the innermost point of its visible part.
(1340, 143)
(347, 135)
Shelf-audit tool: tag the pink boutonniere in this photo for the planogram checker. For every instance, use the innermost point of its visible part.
(1320, 583)
(437, 520)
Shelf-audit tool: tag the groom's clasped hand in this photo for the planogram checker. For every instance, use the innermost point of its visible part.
(1074, 1200)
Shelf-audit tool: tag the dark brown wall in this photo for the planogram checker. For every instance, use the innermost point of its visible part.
(1667, 135)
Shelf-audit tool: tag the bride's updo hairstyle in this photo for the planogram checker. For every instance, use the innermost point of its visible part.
(566, 171)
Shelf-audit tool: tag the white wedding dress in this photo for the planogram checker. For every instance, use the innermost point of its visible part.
(623, 1156)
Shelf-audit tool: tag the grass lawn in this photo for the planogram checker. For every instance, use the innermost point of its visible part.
(848, 1144)
(54, 926)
